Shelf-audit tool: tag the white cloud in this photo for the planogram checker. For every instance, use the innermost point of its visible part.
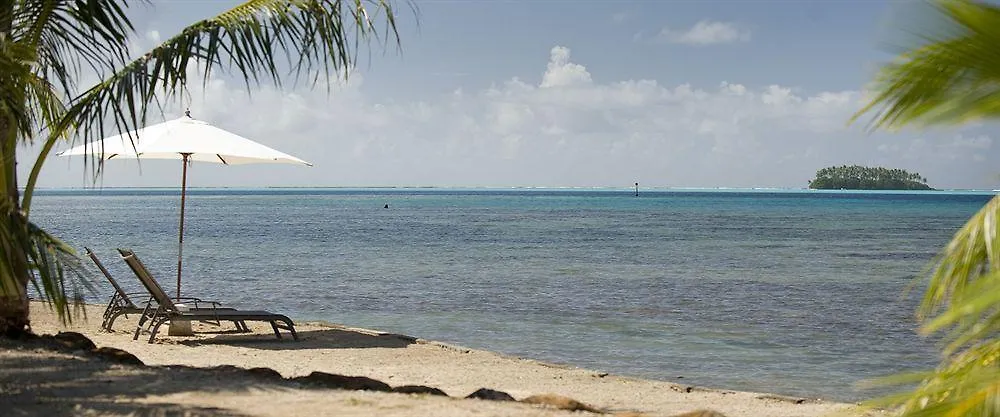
(706, 32)
(561, 72)
(567, 130)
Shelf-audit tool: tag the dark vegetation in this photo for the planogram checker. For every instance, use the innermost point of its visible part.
(856, 177)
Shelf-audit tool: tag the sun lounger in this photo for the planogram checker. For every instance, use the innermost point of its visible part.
(161, 309)
(121, 302)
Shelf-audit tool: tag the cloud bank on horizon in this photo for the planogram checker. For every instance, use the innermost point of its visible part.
(569, 128)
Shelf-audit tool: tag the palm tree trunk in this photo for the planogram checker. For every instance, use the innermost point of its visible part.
(14, 272)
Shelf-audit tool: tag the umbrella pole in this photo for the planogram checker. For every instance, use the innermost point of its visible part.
(180, 234)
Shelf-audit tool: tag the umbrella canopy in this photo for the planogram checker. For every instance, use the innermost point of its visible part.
(187, 139)
(173, 139)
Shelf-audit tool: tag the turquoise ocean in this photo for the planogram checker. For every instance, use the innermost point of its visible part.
(792, 292)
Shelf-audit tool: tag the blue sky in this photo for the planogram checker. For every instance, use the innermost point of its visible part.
(586, 93)
(801, 43)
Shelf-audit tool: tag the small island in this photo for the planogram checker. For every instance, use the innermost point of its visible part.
(857, 177)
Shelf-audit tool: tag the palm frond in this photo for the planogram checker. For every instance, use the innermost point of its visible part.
(962, 301)
(259, 40)
(29, 251)
(966, 385)
(61, 278)
(45, 44)
(973, 252)
(42, 53)
(254, 41)
(952, 77)
(51, 38)
(65, 34)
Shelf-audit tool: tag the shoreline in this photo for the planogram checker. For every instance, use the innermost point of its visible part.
(405, 360)
(568, 366)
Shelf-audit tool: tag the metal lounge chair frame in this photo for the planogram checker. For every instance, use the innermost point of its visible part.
(165, 310)
(121, 302)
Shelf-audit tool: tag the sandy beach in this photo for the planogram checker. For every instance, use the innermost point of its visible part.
(36, 381)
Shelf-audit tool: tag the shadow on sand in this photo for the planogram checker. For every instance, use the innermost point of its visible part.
(54, 384)
(328, 338)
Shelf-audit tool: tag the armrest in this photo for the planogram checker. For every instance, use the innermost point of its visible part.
(183, 299)
(214, 304)
(196, 302)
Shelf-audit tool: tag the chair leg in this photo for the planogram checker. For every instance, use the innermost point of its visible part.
(138, 329)
(241, 326)
(111, 305)
(109, 311)
(288, 325)
(148, 313)
(110, 321)
(275, 327)
(104, 323)
(156, 327)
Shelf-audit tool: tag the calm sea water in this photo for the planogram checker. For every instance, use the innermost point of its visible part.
(791, 292)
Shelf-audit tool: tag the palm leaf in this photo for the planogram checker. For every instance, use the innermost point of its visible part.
(57, 274)
(952, 77)
(259, 40)
(44, 45)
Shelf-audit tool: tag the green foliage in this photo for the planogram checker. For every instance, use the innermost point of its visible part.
(962, 302)
(46, 45)
(856, 177)
(953, 76)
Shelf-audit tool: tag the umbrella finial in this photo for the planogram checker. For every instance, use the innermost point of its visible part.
(188, 113)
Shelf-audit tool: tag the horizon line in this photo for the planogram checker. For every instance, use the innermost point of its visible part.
(495, 188)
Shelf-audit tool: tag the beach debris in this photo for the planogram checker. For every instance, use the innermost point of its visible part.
(354, 383)
(786, 398)
(701, 413)
(560, 402)
(600, 374)
(695, 388)
(418, 389)
(492, 395)
(117, 355)
(74, 341)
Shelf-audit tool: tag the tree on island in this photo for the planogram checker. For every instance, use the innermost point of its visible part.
(48, 47)
(857, 177)
(952, 75)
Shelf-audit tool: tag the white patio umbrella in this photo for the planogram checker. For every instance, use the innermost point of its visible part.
(186, 139)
